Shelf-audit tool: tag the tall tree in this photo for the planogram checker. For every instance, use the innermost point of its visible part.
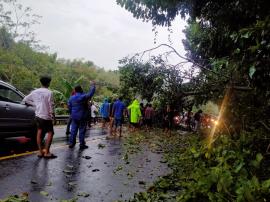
(18, 20)
(229, 42)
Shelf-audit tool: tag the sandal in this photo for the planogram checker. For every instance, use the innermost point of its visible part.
(40, 155)
(50, 156)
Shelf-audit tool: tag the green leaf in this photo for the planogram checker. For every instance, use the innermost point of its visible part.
(266, 184)
(101, 146)
(238, 167)
(252, 70)
(259, 157)
(246, 35)
(237, 50)
(44, 193)
(255, 182)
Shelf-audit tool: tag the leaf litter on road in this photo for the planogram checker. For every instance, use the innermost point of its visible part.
(16, 198)
(83, 194)
(44, 193)
(72, 184)
(34, 182)
(101, 146)
(87, 157)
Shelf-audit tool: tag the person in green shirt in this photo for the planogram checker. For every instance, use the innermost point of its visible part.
(135, 114)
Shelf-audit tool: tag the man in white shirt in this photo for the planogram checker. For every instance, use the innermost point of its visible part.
(42, 100)
(94, 111)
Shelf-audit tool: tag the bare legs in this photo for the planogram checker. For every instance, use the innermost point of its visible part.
(46, 151)
(39, 141)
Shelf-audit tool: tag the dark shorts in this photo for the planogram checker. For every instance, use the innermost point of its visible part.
(148, 122)
(167, 124)
(45, 125)
(117, 122)
(136, 125)
(106, 119)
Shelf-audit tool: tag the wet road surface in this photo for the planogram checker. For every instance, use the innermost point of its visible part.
(18, 145)
(98, 173)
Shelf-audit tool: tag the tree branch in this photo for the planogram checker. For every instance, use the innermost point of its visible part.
(180, 56)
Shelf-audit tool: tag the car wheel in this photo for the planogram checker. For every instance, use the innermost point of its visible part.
(33, 137)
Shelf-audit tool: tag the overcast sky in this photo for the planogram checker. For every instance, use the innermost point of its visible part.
(100, 30)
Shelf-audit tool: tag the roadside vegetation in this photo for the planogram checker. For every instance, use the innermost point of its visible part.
(228, 171)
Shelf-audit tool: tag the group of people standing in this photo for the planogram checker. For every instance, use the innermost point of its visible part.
(113, 115)
(42, 100)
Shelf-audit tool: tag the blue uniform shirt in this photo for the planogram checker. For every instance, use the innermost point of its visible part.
(105, 109)
(118, 108)
(78, 106)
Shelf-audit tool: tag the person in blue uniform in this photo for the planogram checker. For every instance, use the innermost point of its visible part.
(105, 112)
(78, 108)
(118, 114)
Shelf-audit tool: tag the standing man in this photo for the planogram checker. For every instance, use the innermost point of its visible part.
(111, 123)
(94, 112)
(69, 118)
(78, 106)
(118, 114)
(197, 119)
(105, 112)
(135, 114)
(168, 120)
(188, 119)
(148, 116)
(42, 100)
(142, 121)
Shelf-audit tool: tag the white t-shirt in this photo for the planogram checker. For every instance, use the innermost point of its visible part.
(42, 100)
(93, 111)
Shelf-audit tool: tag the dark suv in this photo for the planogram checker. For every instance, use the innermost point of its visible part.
(16, 119)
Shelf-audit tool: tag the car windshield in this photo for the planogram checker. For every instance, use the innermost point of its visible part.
(8, 95)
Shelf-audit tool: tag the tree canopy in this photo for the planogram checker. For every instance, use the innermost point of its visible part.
(228, 42)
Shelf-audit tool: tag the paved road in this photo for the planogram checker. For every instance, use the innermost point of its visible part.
(96, 174)
(19, 145)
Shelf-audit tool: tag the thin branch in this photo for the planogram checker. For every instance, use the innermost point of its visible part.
(17, 19)
(180, 56)
(242, 88)
(180, 63)
(239, 88)
(267, 127)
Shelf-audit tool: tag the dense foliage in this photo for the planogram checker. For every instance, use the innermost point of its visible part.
(152, 81)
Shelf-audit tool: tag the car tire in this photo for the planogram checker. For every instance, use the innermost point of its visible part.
(33, 137)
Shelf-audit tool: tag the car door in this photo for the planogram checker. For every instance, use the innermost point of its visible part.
(16, 119)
